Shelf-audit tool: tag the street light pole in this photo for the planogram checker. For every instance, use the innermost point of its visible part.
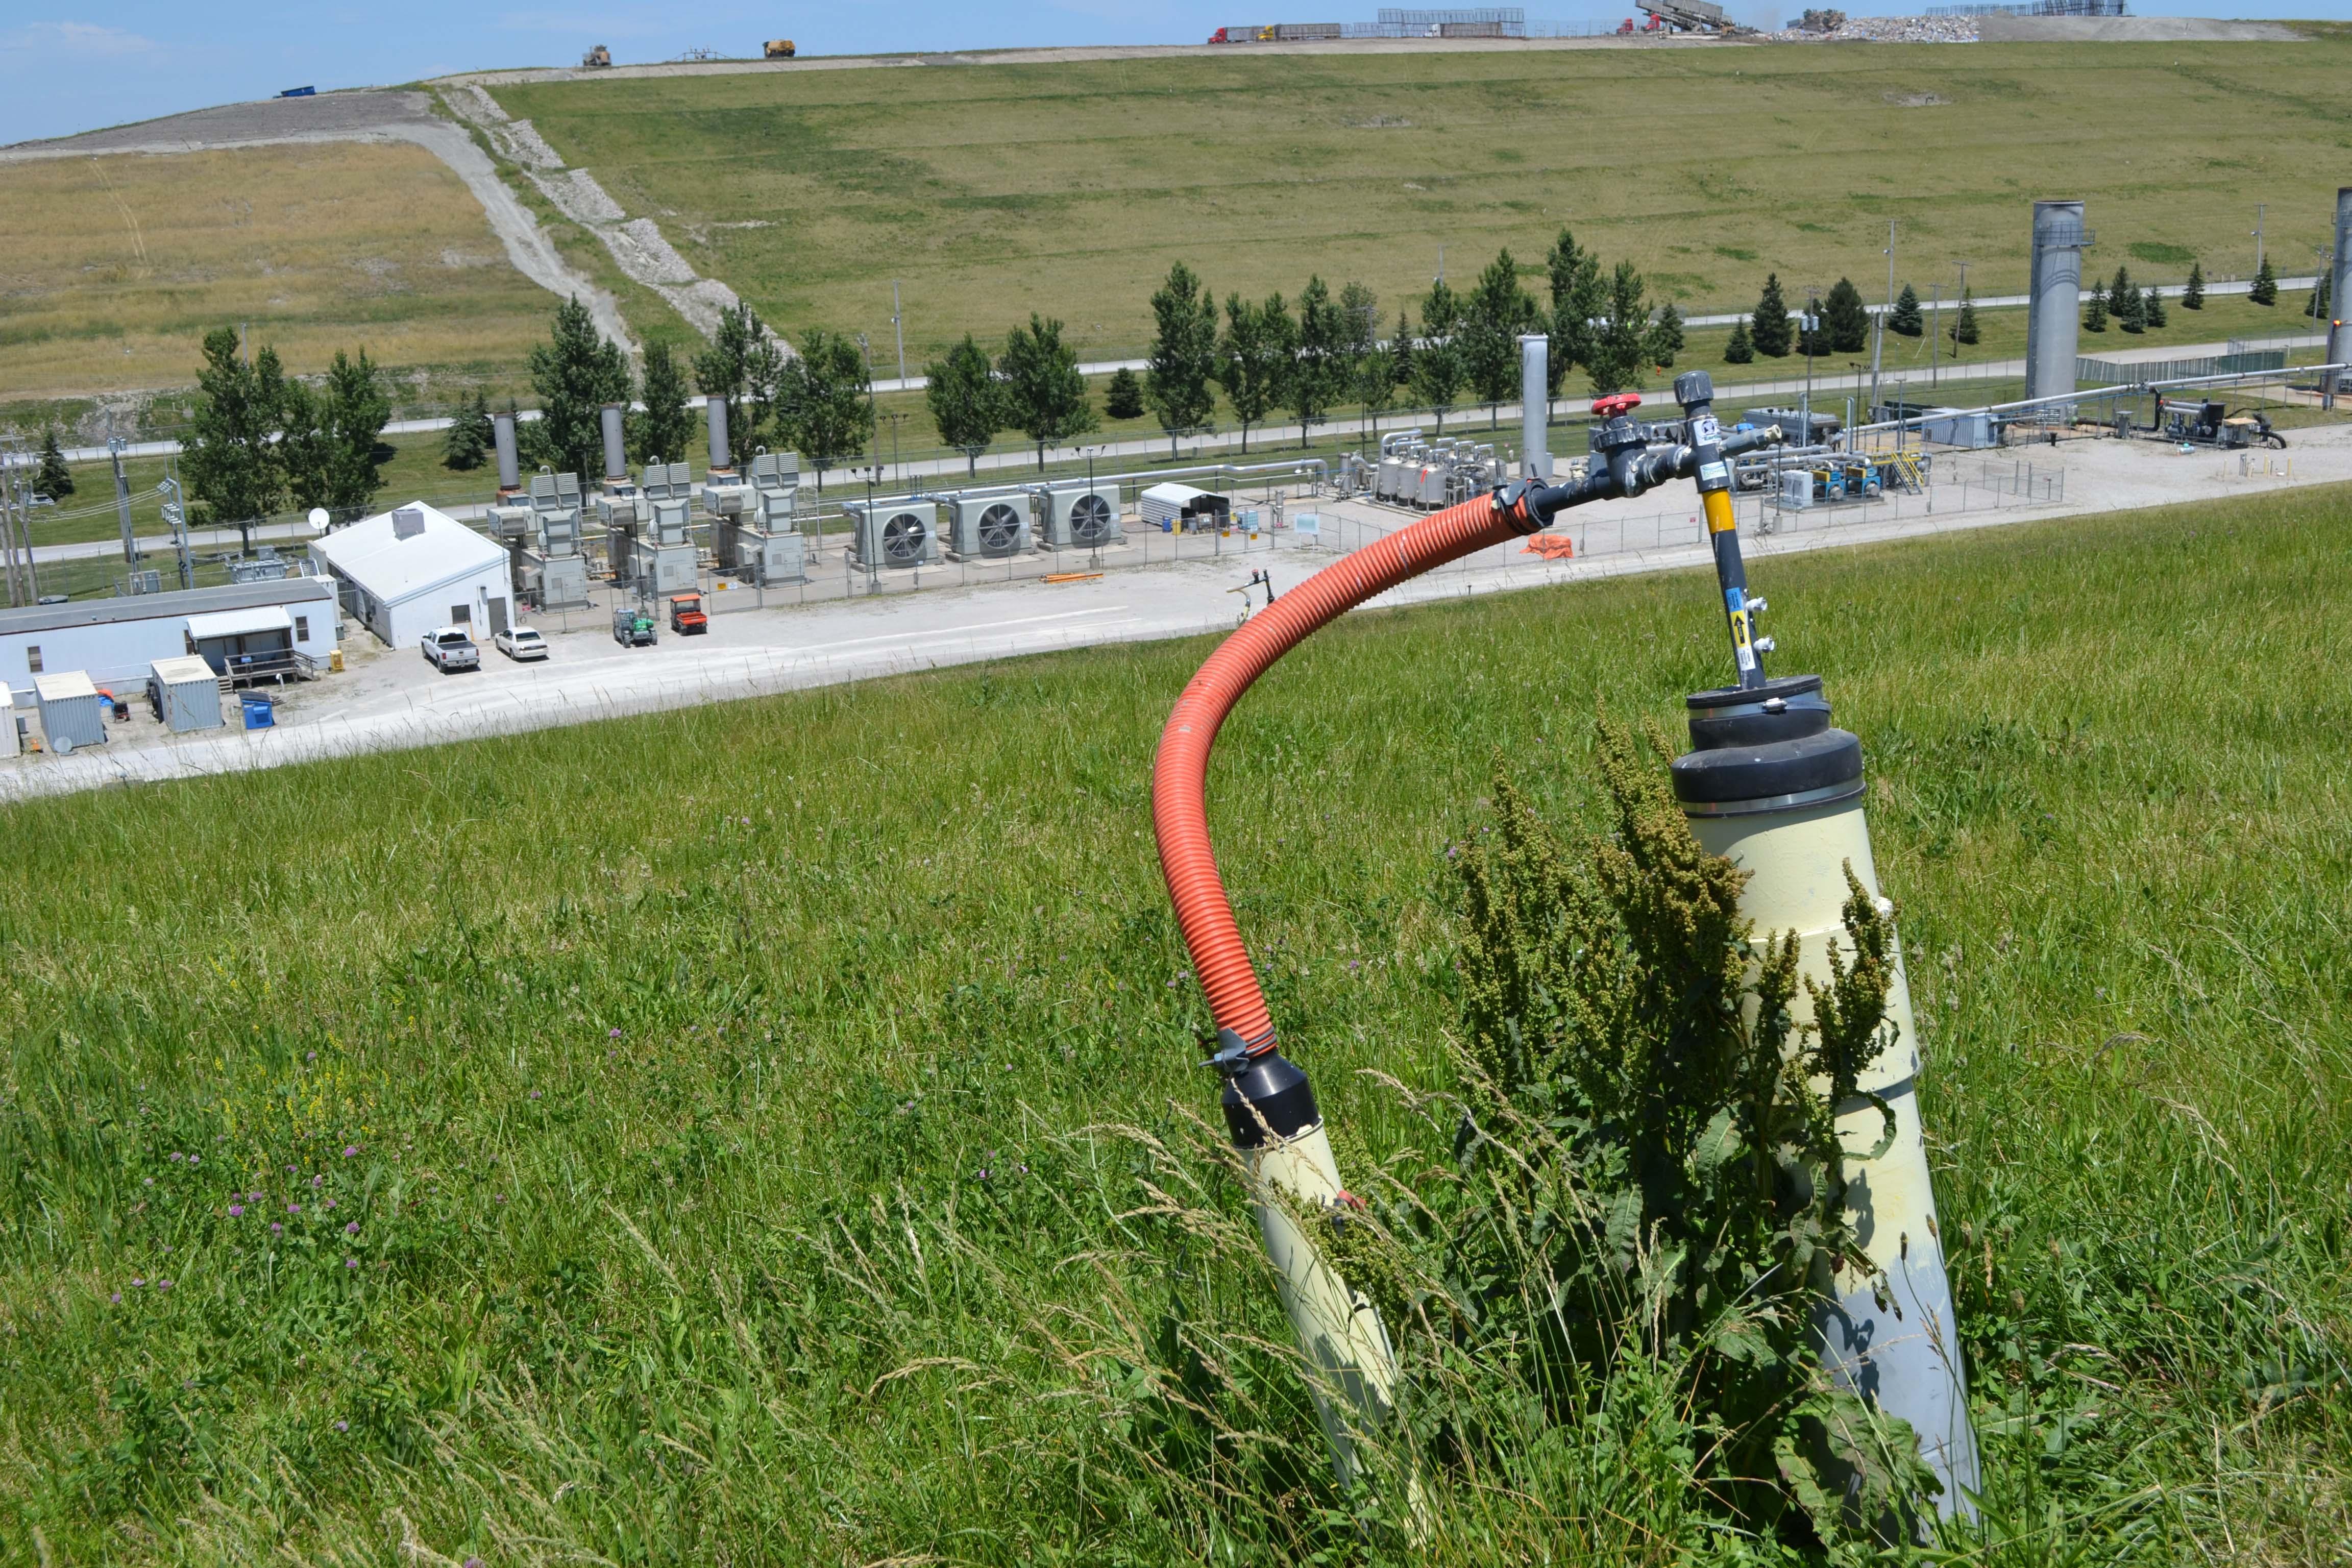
(1878, 349)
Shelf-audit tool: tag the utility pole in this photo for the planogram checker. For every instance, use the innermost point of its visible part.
(898, 327)
(1935, 335)
(1963, 300)
(1811, 322)
(1878, 346)
(2261, 211)
(121, 495)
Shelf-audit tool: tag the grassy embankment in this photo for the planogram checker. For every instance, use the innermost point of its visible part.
(748, 1119)
(992, 190)
(118, 267)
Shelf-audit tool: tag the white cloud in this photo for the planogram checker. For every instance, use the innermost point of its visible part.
(82, 39)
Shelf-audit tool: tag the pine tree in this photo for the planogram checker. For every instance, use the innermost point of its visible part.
(1496, 311)
(1771, 333)
(1907, 322)
(575, 373)
(229, 456)
(1739, 349)
(331, 440)
(822, 407)
(968, 402)
(1666, 336)
(2193, 297)
(1046, 397)
(57, 480)
(1179, 383)
(2321, 289)
(1250, 359)
(2266, 288)
(1964, 326)
(471, 435)
(1617, 357)
(2095, 310)
(1123, 399)
(1845, 319)
(2152, 307)
(2123, 299)
(744, 368)
(664, 430)
(1437, 357)
(1576, 302)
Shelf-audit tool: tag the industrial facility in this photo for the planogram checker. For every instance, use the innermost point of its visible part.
(246, 632)
(406, 572)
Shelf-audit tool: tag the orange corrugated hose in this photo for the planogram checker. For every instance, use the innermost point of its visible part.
(1179, 773)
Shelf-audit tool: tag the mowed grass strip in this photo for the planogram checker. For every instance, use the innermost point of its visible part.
(992, 190)
(116, 267)
(762, 1129)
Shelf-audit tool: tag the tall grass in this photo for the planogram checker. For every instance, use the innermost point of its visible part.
(774, 1134)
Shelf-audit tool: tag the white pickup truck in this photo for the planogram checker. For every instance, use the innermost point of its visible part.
(451, 649)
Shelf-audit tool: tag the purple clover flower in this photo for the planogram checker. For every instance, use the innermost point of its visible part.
(237, 1211)
(349, 1150)
(276, 1229)
(615, 1035)
(353, 1228)
(351, 1263)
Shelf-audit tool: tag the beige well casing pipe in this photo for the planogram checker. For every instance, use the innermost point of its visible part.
(1907, 1360)
(1337, 1329)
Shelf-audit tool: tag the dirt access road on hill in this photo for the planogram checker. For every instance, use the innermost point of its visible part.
(363, 115)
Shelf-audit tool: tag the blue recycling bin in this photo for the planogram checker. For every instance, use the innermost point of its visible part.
(261, 714)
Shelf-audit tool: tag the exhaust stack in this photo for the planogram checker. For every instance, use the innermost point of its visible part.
(721, 460)
(616, 456)
(1534, 409)
(2054, 309)
(502, 430)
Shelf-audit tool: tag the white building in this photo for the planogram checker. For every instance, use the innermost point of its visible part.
(115, 641)
(413, 570)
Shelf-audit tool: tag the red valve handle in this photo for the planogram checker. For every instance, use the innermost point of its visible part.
(1618, 403)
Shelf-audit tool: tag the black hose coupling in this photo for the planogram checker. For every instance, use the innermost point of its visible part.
(1267, 1099)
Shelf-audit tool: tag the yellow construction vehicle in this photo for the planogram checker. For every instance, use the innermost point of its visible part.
(598, 58)
(779, 48)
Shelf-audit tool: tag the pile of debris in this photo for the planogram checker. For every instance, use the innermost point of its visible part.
(1877, 29)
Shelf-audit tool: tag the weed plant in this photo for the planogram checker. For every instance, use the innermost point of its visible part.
(773, 1131)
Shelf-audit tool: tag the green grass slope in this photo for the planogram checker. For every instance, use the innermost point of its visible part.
(993, 190)
(763, 1133)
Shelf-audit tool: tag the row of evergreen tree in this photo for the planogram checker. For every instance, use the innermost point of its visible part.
(1839, 326)
(261, 440)
(1328, 352)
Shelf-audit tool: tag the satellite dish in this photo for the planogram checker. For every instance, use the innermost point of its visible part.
(319, 519)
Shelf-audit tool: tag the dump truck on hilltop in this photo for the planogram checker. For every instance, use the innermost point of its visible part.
(779, 48)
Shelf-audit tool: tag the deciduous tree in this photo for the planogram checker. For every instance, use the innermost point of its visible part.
(1044, 395)
(822, 402)
(966, 401)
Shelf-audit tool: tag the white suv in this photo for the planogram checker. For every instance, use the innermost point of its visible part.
(521, 643)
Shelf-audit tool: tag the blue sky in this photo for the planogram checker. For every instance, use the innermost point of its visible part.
(68, 66)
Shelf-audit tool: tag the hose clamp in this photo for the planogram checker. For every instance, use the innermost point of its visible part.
(1233, 1055)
